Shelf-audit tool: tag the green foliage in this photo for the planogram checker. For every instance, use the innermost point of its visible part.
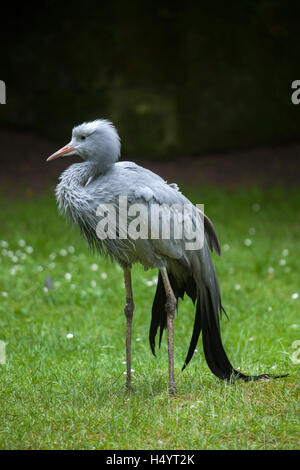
(68, 392)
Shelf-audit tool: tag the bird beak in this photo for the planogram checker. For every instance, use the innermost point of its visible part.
(63, 152)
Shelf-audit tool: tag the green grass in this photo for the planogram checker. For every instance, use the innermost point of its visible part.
(68, 393)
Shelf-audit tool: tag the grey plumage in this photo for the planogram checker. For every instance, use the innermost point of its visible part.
(79, 201)
(101, 179)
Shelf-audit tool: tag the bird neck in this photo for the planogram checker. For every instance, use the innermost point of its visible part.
(71, 192)
(79, 174)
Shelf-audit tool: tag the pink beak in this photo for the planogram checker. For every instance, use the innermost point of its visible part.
(60, 153)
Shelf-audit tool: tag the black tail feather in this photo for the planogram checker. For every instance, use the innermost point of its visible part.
(206, 319)
(159, 315)
(195, 336)
(214, 352)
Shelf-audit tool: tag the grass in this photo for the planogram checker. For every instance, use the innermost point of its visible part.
(68, 393)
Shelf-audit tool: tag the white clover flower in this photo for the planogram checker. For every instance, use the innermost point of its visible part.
(152, 282)
(256, 207)
(71, 249)
(63, 252)
(72, 286)
(68, 276)
(251, 339)
(45, 289)
(29, 250)
(93, 283)
(269, 309)
(125, 373)
(10, 254)
(252, 231)
(285, 252)
(247, 242)
(57, 284)
(237, 287)
(103, 276)
(52, 256)
(282, 262)
(70, 335)
(13, 271)
(15, 259)
(295, 296)
(4, 252)
(52, 265)
(226, 247)
(40, 269)
(94, 267)
(4, 294)
(123, 362)
(22, 243)
(138, 339)
(270, 270)
(3, 243)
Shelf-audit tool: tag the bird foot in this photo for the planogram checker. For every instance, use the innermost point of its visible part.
(172, 389)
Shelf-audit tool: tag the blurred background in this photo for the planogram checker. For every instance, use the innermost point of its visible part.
(199, 90)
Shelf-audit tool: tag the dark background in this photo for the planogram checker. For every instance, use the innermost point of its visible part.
(178, 79)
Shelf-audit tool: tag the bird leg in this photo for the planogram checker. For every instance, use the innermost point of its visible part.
(170, 310)
(128, 310)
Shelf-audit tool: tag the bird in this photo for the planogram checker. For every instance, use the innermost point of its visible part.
(102, 181)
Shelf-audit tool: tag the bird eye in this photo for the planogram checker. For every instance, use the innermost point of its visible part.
(82, 137)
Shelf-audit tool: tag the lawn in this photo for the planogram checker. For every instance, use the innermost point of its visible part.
(62, 378)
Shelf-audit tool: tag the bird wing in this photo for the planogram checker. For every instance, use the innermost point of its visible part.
(140, 185)
(152, 189)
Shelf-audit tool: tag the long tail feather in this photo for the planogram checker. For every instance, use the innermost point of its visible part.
(195, 336)
(159, 315)
(214, 352)
(208, 311)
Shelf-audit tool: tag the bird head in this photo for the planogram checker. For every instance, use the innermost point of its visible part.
(97, 141)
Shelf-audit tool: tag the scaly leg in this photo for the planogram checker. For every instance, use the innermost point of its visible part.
(170, 309)
(128, 310)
